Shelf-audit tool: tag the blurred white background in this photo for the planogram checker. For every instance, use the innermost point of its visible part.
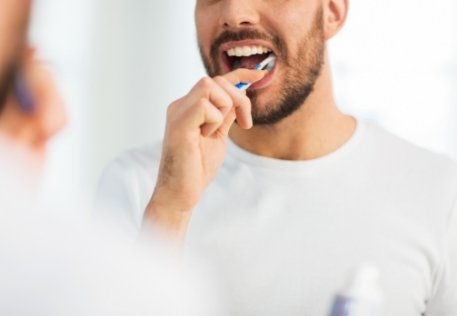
(120, 63)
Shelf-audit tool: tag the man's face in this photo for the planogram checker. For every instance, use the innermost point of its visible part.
(13, 26)
(290, 29)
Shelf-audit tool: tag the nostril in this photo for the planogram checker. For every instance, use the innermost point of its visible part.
(239, 20)
(237, 25)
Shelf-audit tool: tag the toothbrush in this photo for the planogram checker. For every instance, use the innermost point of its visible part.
(267, 64)
(21, 90)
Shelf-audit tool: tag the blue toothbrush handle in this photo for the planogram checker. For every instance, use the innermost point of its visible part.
(24, 97)
(241, 85)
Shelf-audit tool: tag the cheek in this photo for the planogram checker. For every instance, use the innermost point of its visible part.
(292, 22)
(205, 27)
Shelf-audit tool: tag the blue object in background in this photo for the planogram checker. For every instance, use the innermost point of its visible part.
(22, 92)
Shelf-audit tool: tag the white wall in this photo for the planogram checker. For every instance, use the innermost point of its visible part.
(145, 56)
(396, 63)
(61, 30)
(121, 62)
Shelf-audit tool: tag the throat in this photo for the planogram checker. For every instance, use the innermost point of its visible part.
(288, 143)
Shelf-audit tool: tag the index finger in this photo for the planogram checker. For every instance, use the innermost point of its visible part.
(244, 75)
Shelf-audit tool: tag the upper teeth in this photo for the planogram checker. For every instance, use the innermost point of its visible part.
(246, 51)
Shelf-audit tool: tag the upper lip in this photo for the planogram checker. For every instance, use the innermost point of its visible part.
(226, 46)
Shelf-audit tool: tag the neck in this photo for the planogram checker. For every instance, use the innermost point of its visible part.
(316, 129)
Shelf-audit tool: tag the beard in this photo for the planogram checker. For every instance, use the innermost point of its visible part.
(300, 72)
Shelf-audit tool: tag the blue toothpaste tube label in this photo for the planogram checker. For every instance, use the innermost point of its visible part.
(344, 306)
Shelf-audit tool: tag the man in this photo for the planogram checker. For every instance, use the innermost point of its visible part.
(295, 193)
(31, 109)
(52, 262)
(13, 25)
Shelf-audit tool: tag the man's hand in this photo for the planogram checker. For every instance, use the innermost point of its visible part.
(30, 130)
(195, 146)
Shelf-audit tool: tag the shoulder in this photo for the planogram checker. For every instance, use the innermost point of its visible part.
(133, 165)
(144, 157)
(411, 173)
(134, 170)
(398, 153)
(126, 185)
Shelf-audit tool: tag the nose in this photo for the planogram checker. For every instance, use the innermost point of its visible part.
(239, 13)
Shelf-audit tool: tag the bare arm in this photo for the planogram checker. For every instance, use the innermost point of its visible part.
(194, 147)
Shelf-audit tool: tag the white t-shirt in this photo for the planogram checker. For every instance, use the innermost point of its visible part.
(54, 262)
(283, 235)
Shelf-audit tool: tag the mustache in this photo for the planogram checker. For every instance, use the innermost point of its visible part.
(246, 34)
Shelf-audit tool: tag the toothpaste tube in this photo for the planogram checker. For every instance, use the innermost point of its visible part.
(362, 296)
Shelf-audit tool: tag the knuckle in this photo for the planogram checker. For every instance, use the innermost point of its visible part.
(205, 82)
(220, 80)
(230, 103)
(218, 119)
(170, 108)
(201, 104)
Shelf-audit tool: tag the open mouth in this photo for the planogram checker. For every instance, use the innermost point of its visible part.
(248, 57)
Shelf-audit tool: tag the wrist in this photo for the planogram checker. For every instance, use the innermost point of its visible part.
(165, 215)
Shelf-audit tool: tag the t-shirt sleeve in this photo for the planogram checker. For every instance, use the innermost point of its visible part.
(444, 303)
(121, 196)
